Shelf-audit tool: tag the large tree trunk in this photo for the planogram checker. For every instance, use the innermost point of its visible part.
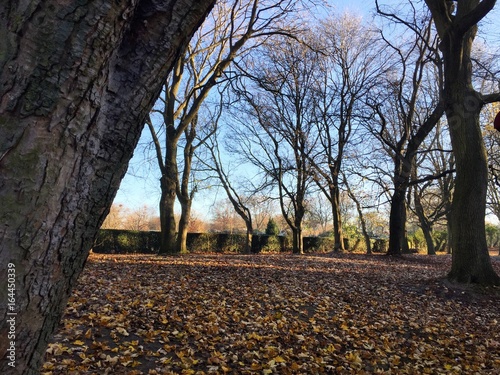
(471, 262)
(397, 221)
(470, 258)
(297, 240)
(76, 84)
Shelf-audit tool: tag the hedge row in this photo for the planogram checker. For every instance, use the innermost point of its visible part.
(115, 241)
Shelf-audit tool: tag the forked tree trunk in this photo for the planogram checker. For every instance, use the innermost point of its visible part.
(76, 83)
(470, 258)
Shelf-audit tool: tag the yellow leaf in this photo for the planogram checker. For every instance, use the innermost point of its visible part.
(78, 342)
(353, 358)
(88, 334)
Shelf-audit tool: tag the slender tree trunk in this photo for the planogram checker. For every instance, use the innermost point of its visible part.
(168, 185)
(449, 249)
(181, 247)
(362, 220)
(337, 218)
(248, 240)
(424, 225)
(76, 83)
(427, 229)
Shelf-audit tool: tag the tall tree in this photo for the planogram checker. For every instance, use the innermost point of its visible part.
(349, 70)
(415, 108)
(215, 166)
(456, 23)
(279, 102)
(234, 28)
(432, 184)
(77, 81)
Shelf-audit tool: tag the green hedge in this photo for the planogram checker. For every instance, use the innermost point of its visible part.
(115, 241)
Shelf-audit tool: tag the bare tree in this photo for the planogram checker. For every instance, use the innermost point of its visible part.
(233, 29)
(215, 165)
(431, 184)
(77, 81)
(349, 66)
(115, 217)
(278, 94)
(408, 112)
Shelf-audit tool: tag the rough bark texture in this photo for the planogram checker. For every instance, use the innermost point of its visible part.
(470, 260)
(76, 84)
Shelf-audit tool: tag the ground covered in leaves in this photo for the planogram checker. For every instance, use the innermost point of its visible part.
(275, 314)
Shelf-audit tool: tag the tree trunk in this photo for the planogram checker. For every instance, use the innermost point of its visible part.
(337, 219)
(76, 83)
(297, 240)
(397, 221)
(431, 249)
(168, 185)
(424, 224)
(248, 242)
(471, 262)
(181, 247)
(167, 217)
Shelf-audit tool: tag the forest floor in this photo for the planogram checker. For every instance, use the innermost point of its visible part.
(275, 314)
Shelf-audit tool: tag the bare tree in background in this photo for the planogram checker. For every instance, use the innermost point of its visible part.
(233, 29)
(349, 65)
(279, 98)
(407, 112)
(431, 184)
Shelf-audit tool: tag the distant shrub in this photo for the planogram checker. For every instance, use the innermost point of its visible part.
(380, 245)
(272, 228)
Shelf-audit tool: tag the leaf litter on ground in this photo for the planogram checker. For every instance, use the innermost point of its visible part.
(275, 314)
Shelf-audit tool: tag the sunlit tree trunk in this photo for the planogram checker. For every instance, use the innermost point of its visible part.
(76, 83)
(168, 184)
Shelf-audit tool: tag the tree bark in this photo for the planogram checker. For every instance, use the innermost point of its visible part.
(76, 84)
